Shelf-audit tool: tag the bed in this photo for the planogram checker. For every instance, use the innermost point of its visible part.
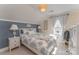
(39, 44)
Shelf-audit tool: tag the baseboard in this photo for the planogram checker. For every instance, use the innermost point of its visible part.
(3, 49)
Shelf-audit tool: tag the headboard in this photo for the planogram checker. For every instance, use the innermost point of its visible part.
(25, 30)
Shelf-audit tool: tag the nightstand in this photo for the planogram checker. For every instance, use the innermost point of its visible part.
(14, 42)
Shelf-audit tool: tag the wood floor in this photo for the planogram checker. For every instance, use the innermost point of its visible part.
(18, 51)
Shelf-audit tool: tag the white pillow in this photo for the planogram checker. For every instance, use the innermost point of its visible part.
(24, 30)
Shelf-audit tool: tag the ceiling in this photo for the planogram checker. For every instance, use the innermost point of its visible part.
(30, 13)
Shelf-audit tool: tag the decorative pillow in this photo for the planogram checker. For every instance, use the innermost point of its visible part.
(24, 30)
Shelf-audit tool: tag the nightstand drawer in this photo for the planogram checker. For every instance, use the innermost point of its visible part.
(16, 45)
(14, 42)
(14, 38)
(11, 46)
(11, 40)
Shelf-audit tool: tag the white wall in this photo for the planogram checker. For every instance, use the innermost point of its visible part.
(73, 19)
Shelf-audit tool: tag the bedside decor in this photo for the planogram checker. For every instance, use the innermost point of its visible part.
(14, 28)
(15, 40)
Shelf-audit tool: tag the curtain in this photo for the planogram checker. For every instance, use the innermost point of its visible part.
(62, 19)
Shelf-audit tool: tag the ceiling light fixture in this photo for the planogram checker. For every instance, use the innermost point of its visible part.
(42, 7)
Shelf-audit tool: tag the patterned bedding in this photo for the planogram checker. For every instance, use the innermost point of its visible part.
(42, 45)
(38, 44)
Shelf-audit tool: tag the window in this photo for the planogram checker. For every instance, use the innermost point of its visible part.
(57, 28)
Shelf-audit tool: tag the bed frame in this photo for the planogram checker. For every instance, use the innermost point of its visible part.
(28, 46)
(32, 49)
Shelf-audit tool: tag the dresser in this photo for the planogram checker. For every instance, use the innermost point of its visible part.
(14, 42)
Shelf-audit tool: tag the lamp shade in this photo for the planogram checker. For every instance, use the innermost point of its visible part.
(14, 27)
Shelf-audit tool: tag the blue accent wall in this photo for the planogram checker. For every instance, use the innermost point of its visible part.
(5, 32)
